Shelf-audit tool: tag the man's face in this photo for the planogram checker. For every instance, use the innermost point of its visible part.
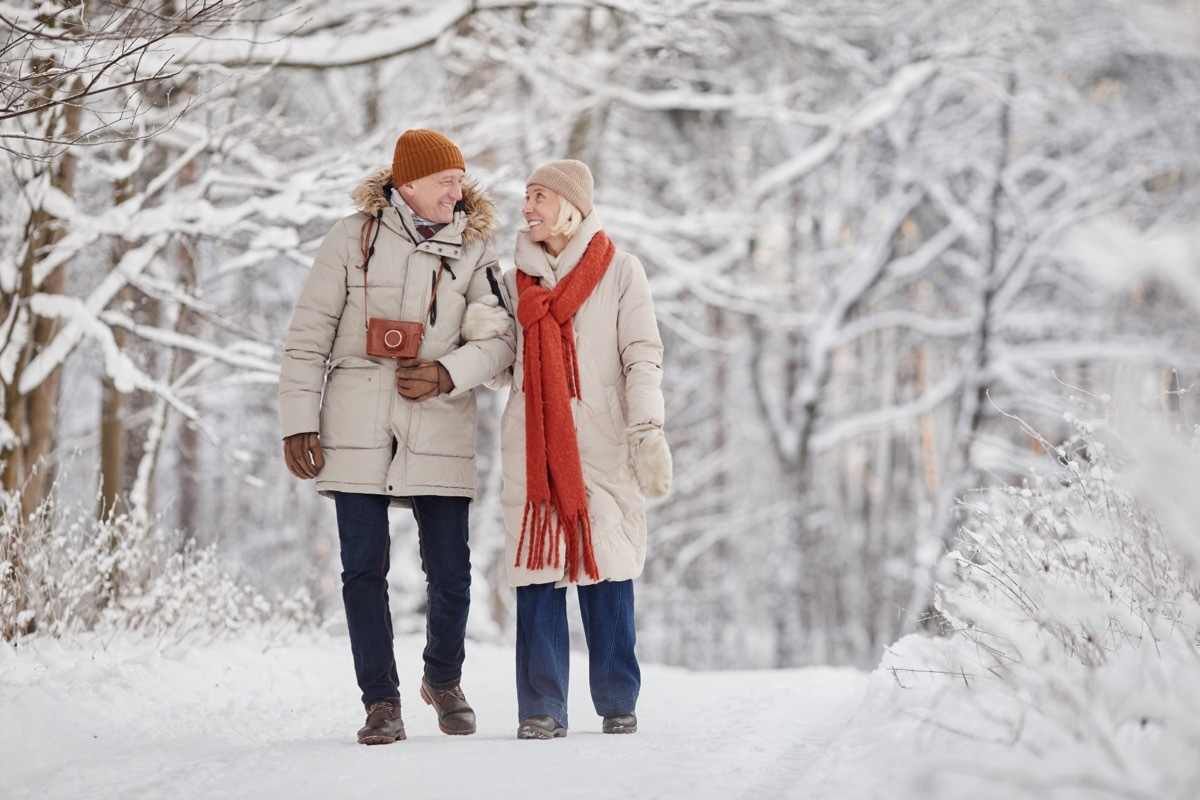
(434, 196)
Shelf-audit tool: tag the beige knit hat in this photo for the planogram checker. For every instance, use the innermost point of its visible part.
(571, 179)
(420, 153)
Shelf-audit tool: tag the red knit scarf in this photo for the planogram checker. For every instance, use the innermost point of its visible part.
(555, 500)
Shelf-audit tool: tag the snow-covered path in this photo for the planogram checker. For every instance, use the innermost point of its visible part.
(245, 719)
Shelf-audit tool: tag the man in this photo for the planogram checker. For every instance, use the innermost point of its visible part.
(376, 431)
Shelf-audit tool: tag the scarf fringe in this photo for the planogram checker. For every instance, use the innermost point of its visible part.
(546, 535)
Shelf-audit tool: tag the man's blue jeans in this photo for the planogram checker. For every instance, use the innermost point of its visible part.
(543, 649)
(442, 525)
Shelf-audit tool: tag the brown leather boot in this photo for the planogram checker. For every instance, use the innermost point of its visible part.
(540, 726)
(620, 723)
(455, 715)
(384, 724)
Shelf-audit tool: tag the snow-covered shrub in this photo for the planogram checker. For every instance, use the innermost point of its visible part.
(1075, 596)
(64, 571)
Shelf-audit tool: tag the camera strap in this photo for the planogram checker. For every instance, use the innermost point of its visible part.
(496, 289)
(366, 241)
(431, 312)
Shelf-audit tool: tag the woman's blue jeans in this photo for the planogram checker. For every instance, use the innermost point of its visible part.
(442, 526)
(543, 649)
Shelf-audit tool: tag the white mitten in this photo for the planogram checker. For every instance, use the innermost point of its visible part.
(484, 319)
(651, 461)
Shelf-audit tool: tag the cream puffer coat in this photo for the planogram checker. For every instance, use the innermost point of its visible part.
(620, 368)
(374, 440)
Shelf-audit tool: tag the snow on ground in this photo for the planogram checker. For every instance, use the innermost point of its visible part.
(123, 718)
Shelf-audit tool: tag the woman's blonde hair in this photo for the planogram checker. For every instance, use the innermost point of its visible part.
(569, 218)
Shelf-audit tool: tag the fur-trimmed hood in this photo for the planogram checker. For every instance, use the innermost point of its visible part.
(372, 195)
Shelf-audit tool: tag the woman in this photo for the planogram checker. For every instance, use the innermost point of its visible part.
(582, 447)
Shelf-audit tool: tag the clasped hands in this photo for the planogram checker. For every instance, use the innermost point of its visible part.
(418, 379)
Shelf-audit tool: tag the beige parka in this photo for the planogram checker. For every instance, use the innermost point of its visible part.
(620, 367)
(374, 440)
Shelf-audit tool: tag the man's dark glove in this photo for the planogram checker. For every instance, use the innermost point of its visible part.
(418, 379)
(302, 452)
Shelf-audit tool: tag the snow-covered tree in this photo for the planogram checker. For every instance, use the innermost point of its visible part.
(872, 230)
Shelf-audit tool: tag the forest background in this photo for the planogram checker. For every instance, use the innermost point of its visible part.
(894, 246)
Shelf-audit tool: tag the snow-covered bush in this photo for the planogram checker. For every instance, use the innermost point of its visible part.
(64, 571)
(1074, 601)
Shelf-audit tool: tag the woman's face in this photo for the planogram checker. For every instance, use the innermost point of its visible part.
(541, 211)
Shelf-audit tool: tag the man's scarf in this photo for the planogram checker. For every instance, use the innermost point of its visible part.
(555, 498)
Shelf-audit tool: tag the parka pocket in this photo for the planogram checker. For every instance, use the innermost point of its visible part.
(616, 416)
(350, 409)
(444, 426)
(512, 440)
(605, 413)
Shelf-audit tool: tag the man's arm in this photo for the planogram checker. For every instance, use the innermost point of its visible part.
(310, 336)
(475, 362)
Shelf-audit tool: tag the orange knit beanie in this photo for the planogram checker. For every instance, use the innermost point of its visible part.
(420, 153)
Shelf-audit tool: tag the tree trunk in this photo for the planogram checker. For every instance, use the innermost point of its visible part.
(971, 414)
(113, 441)
(112, 435)
(31, 417)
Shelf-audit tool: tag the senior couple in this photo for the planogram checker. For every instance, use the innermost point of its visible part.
(382, 414)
